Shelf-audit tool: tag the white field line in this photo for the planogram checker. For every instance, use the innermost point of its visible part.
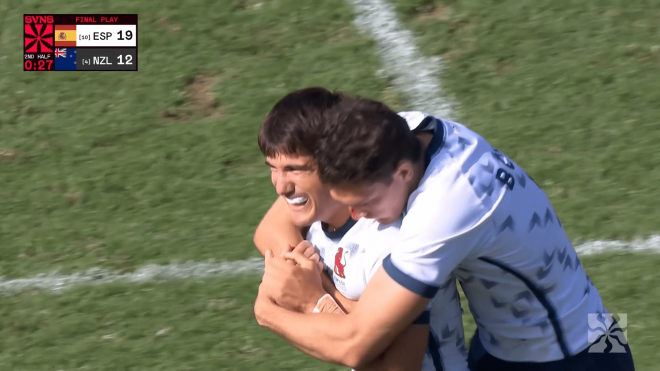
(414, 74)
(651, 244)
(56, 282)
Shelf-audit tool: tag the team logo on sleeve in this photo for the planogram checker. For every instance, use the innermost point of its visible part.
(340, 262)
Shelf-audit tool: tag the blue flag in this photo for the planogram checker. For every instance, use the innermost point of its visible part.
(65, 59)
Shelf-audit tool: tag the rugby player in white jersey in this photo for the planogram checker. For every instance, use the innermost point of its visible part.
(352, 249)
(467, 209)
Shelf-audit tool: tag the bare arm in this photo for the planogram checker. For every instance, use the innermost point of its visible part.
(384, 311)
(405, 354)
(407, 351)
(276, 232)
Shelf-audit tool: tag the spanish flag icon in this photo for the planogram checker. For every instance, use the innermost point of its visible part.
(65, 35)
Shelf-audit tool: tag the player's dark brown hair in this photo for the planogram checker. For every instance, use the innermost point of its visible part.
(364, 143)
(297, 123)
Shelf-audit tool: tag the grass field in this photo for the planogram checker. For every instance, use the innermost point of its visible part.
(118, 170)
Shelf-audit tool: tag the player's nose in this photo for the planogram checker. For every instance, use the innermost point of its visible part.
(283, 186)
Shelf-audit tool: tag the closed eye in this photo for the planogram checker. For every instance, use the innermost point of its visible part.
(292, 168)
(297, 168)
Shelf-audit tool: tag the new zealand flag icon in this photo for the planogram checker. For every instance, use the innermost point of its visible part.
(65, 59)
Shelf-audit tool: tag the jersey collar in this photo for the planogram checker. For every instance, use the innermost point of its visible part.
(435, 126)
(339, 232)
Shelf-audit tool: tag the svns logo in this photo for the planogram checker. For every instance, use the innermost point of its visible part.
(340, 262)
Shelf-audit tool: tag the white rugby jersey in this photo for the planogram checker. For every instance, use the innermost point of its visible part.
(354, 252)
(477, 215)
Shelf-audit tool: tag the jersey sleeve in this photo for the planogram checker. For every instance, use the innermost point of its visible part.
(381, 243)
(443, 225)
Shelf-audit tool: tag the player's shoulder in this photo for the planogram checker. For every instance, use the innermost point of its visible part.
(413, 118)
(315, 232)
(447, 198)
(370, 229)
(316, 227)
(455, 135)
(465, 165)
(386, 231)
(459, 180)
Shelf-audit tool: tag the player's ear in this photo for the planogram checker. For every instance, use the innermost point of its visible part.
(404, 172)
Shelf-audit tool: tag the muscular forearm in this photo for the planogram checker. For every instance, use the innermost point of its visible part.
(333, 338)
(276, 232)
(405, 354)
(384, 311)
(323, 336)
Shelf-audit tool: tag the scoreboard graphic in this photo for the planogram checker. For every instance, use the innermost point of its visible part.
(80, 42)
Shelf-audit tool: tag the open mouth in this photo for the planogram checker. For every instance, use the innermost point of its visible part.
(296, 201)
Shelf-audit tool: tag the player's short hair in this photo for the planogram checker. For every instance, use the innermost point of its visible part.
(297, 123)
(365, 141)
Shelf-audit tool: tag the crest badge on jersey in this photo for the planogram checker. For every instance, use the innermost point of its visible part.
(340, 262)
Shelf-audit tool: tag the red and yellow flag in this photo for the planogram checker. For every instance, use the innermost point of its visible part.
(65, 35)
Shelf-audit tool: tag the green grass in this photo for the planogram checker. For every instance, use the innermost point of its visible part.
(118, 170)
(566, 88)
(211, 325)
(203, 326)
(121, 169)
